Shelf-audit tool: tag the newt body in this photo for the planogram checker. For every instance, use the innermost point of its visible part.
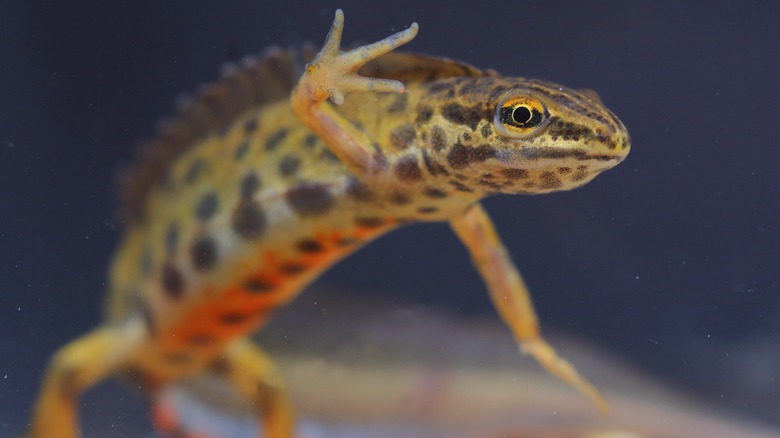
(260, 185)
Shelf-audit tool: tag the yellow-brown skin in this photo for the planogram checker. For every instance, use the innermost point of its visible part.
(250, 214)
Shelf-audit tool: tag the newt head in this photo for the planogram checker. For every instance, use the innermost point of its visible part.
(523, 136)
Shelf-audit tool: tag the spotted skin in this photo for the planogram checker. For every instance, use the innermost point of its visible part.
(260, 185)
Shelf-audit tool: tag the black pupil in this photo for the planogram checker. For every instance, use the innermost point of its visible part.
(521, 115)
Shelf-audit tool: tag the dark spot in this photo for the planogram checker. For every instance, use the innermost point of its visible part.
(275, 139)
(459, 186)
(486, 130)
(497, 91)
(399, 104)
(194, 171)
(207, 206)
(427, 210)
(369, 221)
(400, 199)
(309, 141)
(379, 160)
(600, 158)
(204, 253)
(433, 192)
(250, 126)
(467, 136)
(233, 318)
(461, 156)
(403, 136)
(249, 185)
(542, 152)
(567, 130)
(474, 86)
(438, 87)
(482, 153)
(310, 246)
(357, 190)
(292, 268)
(241, 150)
(580, 174)
(486, 183)
(424, 115)
(257, 285)
(461, 115)
(548, 180)
(172, 281)
(172, 238)
(327, 154)
(515, 173)
(438, 138)
(288, 165)
(564, 170)
(212, 101)
(310, 199)
(200, 340)
(434, 167)
(249, 219)
(407, 169)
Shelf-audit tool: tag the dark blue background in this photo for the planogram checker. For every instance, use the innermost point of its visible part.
(670, 260)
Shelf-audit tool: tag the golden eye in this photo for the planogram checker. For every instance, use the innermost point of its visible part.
(520, 116)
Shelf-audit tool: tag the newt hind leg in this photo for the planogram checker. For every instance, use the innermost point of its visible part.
(73, 369)
(242, 394)
(253, 374)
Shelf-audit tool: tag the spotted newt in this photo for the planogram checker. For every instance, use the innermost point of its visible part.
(261, 183)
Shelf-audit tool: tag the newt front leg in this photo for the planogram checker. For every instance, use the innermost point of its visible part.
(511, 298)
(333, 74)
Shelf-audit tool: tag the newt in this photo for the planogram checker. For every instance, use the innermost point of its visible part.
(262, 182)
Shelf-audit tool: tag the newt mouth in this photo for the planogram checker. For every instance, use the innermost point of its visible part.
(529, 155)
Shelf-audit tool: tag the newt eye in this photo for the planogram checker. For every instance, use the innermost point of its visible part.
(520, 116)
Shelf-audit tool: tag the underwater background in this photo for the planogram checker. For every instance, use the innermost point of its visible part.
(669, 261)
